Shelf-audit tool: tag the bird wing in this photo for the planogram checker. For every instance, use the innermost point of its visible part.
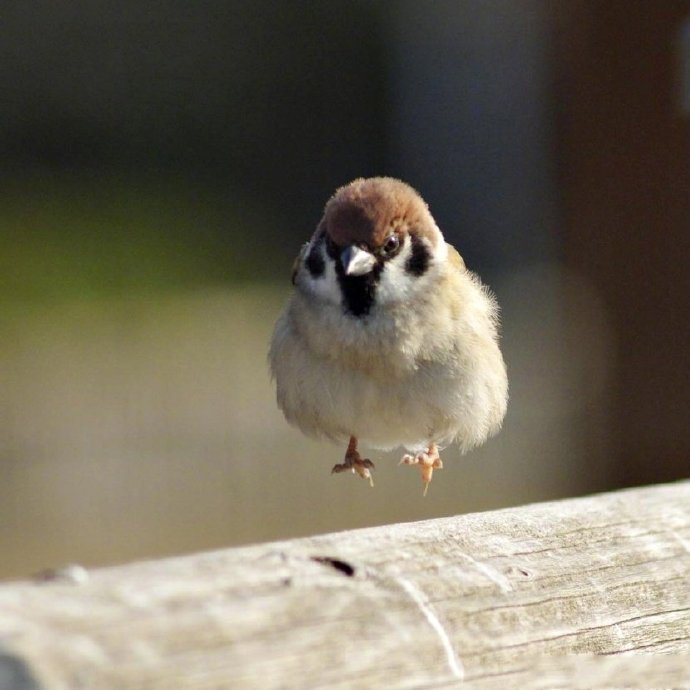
(298, 260)
(455, 259)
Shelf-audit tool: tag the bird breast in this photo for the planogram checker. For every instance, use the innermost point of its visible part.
(401, 376)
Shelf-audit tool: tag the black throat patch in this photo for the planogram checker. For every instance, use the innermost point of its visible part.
(358, 291)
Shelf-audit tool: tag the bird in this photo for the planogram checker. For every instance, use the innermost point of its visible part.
(387, 339)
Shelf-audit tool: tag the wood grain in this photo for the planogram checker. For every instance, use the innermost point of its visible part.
(489, 600)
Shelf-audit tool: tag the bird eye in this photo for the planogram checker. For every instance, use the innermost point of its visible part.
(391, 244)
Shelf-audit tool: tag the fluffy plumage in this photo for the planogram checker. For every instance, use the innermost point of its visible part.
(387, 339)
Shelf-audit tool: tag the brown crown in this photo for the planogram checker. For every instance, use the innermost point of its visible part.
(368, 210)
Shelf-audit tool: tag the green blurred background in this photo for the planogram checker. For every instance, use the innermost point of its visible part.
(161, 165)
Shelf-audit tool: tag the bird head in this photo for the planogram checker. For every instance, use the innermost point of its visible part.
(375, 245)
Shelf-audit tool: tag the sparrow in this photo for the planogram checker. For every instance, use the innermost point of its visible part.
(388, 339)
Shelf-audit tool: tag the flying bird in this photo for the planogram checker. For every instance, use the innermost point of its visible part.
(388, 340)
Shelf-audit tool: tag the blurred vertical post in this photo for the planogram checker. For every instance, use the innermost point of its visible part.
(625, 147)
(474, 121)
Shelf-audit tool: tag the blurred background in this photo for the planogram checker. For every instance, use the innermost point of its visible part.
(160, 166)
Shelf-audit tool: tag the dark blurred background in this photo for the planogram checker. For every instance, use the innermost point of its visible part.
(160, 165)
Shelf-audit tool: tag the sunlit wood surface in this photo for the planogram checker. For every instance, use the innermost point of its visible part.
(481, 598)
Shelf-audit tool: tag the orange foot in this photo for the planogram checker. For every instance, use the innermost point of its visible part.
(354, 463)
(427, 460)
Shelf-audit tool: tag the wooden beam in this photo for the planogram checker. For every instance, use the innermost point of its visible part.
(484, 598)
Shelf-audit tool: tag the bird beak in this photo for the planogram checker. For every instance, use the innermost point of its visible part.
(356, 261)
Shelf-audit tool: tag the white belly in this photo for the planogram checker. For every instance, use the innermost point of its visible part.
(403, 377)
(410, 408)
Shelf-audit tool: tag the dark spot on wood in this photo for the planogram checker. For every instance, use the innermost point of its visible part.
(513, 570)
(15, 673)
(341, 566)
(418, 263)
(68, 574)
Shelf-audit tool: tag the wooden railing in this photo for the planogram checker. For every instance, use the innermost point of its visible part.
(488, 600)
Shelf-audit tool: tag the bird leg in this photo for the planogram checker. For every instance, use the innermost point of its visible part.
(354, 463)
(428, 461)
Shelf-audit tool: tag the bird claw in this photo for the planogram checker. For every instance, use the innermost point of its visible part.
(427, 460)
(361, 467)
(355, 464)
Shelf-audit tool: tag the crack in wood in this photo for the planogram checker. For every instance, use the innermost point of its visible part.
(578, 632)
(569, 597)
(420, 599)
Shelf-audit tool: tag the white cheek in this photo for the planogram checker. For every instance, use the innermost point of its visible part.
(440, 254)
(398, 285)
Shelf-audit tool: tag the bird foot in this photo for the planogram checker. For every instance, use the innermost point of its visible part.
(427, 461)
(355, 463)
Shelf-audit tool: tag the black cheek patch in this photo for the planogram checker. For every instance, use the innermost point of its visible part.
(418, 262)
(332, 248)
(315, 263)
